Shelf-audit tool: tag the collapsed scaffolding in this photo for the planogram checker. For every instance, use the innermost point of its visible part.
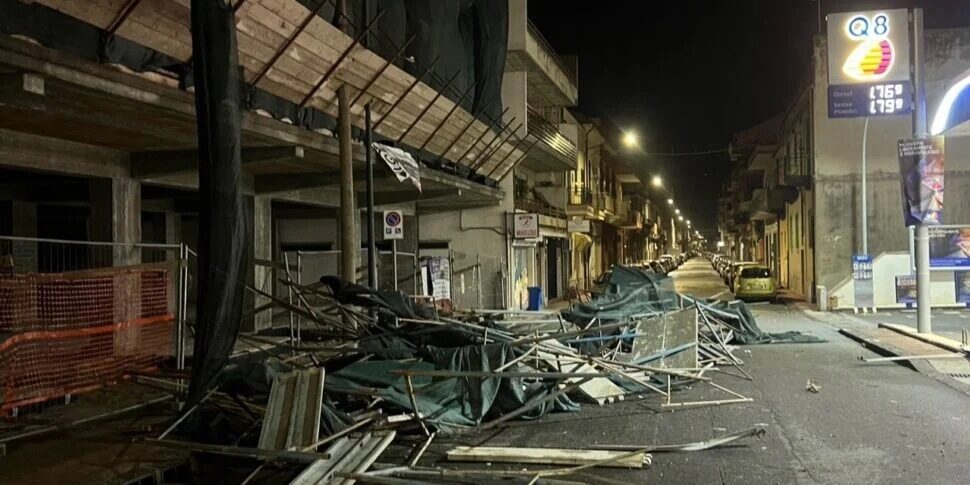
(374, 369)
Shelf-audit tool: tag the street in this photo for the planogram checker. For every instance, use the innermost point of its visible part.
(868, 423)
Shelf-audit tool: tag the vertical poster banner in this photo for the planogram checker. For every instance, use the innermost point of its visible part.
(862, 277)
(921, 169)
(962, 283)
(906, 289)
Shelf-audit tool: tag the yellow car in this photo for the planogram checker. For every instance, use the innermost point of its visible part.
(754, 282)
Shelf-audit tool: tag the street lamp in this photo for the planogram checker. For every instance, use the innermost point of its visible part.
(658, 182)
(680, 218)
(630, 139)
(677, 211)
(670, 201)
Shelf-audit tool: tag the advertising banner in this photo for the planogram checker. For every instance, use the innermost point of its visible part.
(401, 163)
(962, 281)
(906, 289)
(950, 247)
(921, 167)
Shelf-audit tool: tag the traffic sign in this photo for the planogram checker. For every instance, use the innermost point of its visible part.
(393, 224)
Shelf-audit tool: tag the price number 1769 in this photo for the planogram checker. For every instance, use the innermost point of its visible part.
(885, 98)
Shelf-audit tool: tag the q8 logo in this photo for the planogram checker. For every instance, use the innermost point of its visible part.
(873, 57)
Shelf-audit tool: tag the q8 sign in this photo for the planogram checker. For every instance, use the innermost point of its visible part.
(869, 64)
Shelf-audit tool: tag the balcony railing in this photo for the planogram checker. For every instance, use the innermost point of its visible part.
(581, 196)
(570, 73)
(549, 134)
(539, 207)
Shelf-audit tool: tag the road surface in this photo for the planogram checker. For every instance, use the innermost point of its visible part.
(869, 424)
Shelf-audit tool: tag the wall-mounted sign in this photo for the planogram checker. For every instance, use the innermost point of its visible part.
(393, 224)
(921, 164)
(862, 277)
(525, 226)
(578, 225)
(868, 64)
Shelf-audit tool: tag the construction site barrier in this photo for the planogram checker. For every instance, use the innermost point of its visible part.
(66, 333)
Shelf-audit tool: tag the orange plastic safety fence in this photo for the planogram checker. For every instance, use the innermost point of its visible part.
(68, 333)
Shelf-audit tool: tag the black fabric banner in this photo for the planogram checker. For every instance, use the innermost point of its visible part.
(222, 218)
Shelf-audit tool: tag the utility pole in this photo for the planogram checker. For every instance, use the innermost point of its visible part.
(348, 209)
(865, 189)
(923, 315)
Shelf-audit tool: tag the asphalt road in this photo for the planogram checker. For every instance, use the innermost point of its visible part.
(869, 423)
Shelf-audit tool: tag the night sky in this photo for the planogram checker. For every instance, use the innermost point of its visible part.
(686, 75)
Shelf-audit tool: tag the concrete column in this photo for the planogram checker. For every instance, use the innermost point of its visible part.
(173, 233)
(263, 250)
(23, 218)
(116, 217)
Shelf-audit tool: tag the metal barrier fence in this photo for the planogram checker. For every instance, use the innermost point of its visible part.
(477, 281)
(396, 270)
(75, 315)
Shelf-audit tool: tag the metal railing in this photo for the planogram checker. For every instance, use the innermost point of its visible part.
(581, 196)
(549, 134)
(534, 32)
(539, 207)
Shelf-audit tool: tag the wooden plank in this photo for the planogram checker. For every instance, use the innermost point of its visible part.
(546, 456)
(159, 25)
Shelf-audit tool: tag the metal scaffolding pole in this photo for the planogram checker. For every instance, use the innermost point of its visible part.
(371, 241)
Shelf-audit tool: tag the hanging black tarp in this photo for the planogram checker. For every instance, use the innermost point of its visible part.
(222, 221)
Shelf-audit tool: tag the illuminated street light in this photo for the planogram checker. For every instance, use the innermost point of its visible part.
(680, 218)
(630, 139)
(688, 222)
(670, 201)
(658, 182)
(677, 211)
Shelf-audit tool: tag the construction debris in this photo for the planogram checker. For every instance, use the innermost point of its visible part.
(365, 370)
(547, 456)
(813, 387)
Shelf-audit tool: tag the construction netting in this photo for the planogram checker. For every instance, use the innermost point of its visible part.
(66, 333)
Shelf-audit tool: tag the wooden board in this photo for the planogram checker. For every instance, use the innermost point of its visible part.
(293, 413)
(546, 456)
(660, 333)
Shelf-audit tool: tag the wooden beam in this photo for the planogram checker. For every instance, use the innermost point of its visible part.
(166, 162)
(38, 153)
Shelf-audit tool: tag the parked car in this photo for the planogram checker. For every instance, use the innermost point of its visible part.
(732, 271)
(754, 281)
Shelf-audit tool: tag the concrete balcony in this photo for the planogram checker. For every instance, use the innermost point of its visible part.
(552, 81)
(762, 157)
(582, 203)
